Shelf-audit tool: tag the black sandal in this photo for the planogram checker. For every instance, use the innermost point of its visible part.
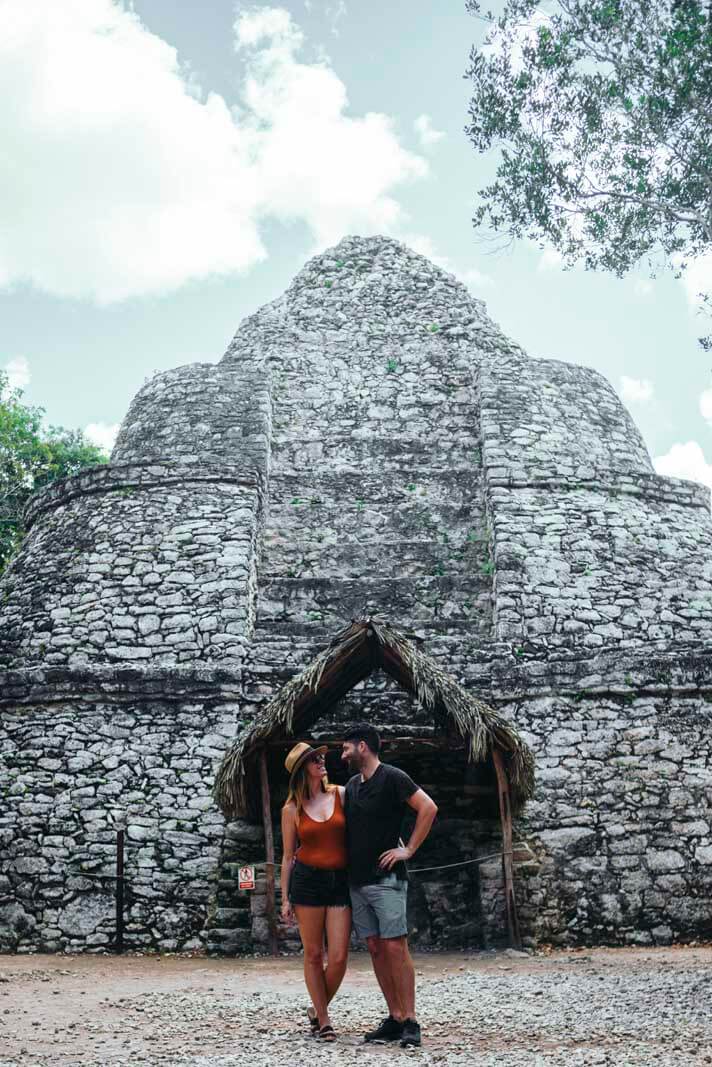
(327, 1033)
(313, 1021)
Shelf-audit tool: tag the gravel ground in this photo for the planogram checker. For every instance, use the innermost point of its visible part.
(603, 1006)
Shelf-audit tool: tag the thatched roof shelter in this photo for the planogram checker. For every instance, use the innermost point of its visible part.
(361, 647)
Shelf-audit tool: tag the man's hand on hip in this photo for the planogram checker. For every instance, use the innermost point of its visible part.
(388, 859)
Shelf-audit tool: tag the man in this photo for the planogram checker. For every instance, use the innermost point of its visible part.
(376, 800)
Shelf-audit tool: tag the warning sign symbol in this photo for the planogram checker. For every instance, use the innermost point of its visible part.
(246, 877)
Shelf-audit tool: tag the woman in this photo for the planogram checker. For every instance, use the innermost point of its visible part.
(314, 881)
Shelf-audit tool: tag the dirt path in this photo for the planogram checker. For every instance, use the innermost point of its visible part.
(563, 1007)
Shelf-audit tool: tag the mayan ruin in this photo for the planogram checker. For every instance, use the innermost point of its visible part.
(370, 445)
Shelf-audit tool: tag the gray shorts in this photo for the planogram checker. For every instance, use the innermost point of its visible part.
(379, 910)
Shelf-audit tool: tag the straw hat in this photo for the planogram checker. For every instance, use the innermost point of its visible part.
(299, 755)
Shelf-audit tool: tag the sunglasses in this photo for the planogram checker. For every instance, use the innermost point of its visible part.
(319, 757)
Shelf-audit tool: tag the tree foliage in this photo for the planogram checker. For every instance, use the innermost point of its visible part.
(31, 457)
(601, 112)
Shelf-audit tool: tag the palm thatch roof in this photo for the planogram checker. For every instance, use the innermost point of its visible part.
(358, 649)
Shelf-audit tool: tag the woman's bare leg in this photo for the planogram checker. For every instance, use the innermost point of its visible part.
(312, 922)
(338, 932)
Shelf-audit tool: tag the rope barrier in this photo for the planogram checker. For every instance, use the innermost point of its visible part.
(278, 866)
(420, 870)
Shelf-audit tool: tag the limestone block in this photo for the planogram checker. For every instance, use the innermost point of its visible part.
(703, 855)
(85, 913)
(572, 840)
(664, 860)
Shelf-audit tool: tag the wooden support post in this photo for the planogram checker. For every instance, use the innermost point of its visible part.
(505, 813)
(119, 946)
(269, 851)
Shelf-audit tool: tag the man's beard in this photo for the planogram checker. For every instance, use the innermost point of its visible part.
(354, 764)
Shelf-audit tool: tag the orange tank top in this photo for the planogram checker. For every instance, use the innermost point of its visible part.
(323, 844)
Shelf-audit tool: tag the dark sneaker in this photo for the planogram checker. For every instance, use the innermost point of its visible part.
(389, 1030)
(411, 1034)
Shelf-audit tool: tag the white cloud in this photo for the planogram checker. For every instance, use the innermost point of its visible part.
(102, 435)
(636, 390)
(427, 134)
(550, 259)
(685, 461)
(334, 13)
(126, 179)
(18, 372)
(706, 405)
(642, 287)
(473, 279)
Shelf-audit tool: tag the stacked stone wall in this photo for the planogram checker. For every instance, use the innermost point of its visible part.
(591, 548)
(544, 418)
(621, 822)
(595, 567)
(135, 564)
(619, 829)
(71, 775)
(200, 412)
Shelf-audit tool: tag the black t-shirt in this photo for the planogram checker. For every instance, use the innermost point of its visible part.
(374, 814)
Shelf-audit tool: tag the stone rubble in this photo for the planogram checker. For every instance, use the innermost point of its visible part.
(583, 1010)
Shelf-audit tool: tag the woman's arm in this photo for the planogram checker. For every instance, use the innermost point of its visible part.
(289, 843)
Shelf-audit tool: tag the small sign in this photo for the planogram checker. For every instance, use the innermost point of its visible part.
(246, 877)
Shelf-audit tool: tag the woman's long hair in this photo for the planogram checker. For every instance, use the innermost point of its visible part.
(299, 790)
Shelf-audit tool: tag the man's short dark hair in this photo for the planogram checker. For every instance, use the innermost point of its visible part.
(363, 732)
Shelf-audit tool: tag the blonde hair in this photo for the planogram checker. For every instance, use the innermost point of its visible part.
(298, 789)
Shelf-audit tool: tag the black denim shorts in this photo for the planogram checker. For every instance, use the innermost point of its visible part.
(318, 888)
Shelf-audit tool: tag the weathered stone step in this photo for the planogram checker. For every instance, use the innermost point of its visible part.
(324, 508)
(278, 655)
(317, 634)
(317, 487)
(228, 942)
(356, 521)
(352, 452)
(420, 598)
(397, 402)
(438, 422)
(396, 558)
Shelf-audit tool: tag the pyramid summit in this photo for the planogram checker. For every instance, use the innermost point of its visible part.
(377, 286)
(370, 442)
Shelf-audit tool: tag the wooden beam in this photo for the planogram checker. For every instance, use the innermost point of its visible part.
(335, 682)
(426, 742)
(505, 812)
(395, 667)
(269, 851)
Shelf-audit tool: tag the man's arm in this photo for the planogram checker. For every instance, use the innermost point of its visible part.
(426, 809)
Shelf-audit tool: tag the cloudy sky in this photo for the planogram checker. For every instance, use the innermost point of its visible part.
(168, 167)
